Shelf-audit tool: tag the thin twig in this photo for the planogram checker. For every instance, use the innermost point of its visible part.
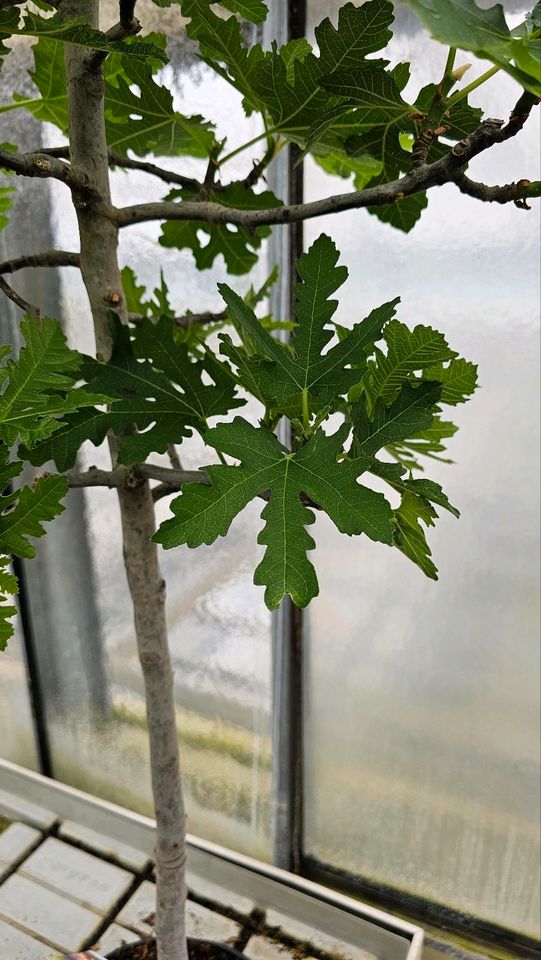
(172, 453)
(259, 168)
(23, 304)
(168, 176)
(187, 320)
(130, 163)
(50, 258)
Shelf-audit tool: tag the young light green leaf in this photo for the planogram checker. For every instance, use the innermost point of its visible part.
(459, 379)
(203, 513)
(412, 411)
(426, 443)
(407, 351)
(409, 535)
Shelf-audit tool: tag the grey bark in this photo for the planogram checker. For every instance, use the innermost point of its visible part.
(101, 275)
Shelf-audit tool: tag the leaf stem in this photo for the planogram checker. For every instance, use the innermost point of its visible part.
(450, 62)
(249, 143)
(460, 94)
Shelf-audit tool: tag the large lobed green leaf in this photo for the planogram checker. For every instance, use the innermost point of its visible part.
(305, 373)
(284, 84)
(22, 514)
(237, 245)
(203, 513)
(151, 382)
(38, 389)
(139, 111)
(484, 31)
(74, 31)
(253, 10)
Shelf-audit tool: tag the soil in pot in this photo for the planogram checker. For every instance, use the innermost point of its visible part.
(197, 949)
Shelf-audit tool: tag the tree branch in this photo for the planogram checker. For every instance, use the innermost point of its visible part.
(174, 458)
(128, 26)
(518, 193)
(50, 258)
(168, 176)
(129, 163)
(23, 304)
(42, 165)
(130, 477)
(420, 179)
(187, 320)
(171, 480)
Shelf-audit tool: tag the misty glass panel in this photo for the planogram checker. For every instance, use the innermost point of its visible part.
(422, 718)
(17, 742)
(219, 627)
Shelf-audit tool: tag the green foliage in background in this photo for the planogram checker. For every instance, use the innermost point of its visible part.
(363, 404)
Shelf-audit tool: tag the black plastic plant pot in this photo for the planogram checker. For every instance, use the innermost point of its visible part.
(197, 949)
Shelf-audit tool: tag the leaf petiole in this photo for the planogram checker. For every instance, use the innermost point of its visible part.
(465, 91)
(450, 62)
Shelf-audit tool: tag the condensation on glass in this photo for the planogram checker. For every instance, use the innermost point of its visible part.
(422, 722)
(17, 742)
(220, 631)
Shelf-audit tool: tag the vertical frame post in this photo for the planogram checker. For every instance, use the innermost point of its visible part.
(287, 22)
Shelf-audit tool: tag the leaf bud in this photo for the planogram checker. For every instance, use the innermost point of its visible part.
(460, 71)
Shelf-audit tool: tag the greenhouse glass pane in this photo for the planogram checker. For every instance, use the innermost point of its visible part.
(422, 716)
(220, 631)
(17, 741)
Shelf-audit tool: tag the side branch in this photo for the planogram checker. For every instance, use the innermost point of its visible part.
(188, 319)
(19, 301)
(170, 480)
(130, 477)
(50, 258)
(44, 166)
(129, 163)
(127, 26)
(518, 193)
(422, 178)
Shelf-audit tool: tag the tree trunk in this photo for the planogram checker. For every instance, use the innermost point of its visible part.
(101, 275)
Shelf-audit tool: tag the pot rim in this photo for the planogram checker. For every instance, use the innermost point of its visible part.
(226, 948)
